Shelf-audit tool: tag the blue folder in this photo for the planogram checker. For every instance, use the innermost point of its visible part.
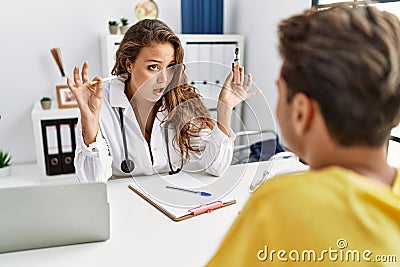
(202, 16)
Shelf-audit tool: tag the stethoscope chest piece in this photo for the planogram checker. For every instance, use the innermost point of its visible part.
(127, 166)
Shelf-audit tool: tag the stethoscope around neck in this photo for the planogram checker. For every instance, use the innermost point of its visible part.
(127, 165)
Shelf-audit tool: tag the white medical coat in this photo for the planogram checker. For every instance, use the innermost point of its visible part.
(102, 159)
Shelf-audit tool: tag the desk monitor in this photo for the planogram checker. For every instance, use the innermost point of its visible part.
(52, 215)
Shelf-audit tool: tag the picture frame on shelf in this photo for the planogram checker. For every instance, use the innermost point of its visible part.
(65, 97)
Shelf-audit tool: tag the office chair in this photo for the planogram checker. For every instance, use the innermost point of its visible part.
(262, 150)
(393, 151)
(395, 138)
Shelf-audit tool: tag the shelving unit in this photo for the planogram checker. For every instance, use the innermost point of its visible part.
(38, 115)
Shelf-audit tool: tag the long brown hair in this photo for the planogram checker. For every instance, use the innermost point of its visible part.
(186, 112)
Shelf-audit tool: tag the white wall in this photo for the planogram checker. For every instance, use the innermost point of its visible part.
(30, 28)
(258, 22)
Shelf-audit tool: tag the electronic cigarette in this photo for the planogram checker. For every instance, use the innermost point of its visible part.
(236, 67)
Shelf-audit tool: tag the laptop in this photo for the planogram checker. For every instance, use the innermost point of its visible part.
(53, 215)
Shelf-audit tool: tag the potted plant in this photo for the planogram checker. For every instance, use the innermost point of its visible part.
(113, 26)
(5, 164)
(45, 102)
(124, 27)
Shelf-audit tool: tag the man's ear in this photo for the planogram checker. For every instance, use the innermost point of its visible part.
(302, 113)
(129, 66)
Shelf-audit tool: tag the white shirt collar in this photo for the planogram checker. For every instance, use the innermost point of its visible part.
(117, 92)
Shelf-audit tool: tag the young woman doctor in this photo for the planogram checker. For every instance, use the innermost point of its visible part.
(148, 120)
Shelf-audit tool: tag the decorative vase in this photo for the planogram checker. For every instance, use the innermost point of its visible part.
(5, 171)
(123, 29)
(46, 104)
(113, 29)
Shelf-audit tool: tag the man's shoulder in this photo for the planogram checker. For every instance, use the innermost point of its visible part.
(300, 178)
(307, 185)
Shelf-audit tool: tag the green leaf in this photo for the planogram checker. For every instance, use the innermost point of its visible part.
(5, 159)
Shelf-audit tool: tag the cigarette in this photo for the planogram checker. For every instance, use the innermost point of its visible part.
(236, 67)
(104, 79)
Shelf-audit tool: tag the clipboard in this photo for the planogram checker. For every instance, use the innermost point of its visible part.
(206, 208)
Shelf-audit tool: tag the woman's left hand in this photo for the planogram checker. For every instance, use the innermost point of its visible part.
(234, 93)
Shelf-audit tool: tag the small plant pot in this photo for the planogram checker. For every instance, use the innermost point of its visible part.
(123, 29)
(113, 29)
(5, 171)
(46, 104)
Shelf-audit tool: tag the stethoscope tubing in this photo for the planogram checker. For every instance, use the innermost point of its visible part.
(128, 165)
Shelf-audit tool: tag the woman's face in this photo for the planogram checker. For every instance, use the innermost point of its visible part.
(149, 74)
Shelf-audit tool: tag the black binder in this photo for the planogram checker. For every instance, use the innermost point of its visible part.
(59, 145)
(67, 137)
(51, 146)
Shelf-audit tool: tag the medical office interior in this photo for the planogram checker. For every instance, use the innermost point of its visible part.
(79, 30)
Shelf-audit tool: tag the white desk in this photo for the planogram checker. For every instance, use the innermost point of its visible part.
(140, 234)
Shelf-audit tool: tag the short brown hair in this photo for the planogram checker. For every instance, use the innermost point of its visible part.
(348, 61)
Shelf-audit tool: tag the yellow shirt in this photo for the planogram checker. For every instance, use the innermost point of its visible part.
(331, 217)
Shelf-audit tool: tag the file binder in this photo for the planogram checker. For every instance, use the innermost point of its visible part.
(190, 213)
(67, 163)
(59, 143)
(218, 8)
(68, 145)
(51, 146)
(198, 16)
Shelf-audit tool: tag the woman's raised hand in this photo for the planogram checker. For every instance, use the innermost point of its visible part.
(231, 95)
(89, 96)
(234, 93)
